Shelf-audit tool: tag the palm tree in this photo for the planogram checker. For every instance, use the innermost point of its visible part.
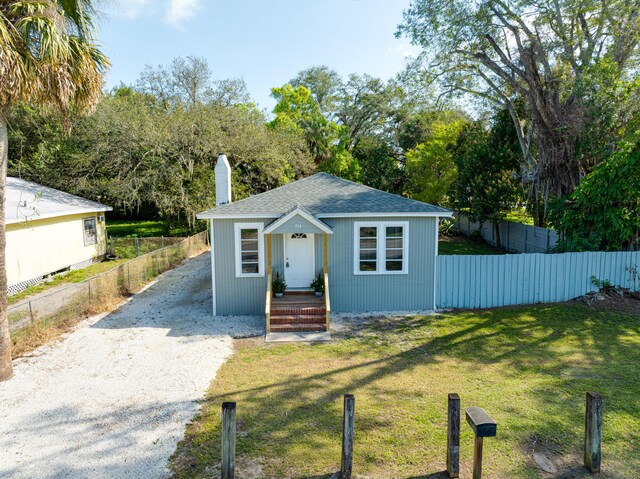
(47, 57)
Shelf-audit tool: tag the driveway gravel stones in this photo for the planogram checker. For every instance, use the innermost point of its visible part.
(112, 398)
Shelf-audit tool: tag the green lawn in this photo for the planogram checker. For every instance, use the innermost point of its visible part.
(520, 215)
(143, 229)
(528, 367)
(460, 244)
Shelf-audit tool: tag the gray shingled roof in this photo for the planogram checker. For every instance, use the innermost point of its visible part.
(324, 194)
(31, 201)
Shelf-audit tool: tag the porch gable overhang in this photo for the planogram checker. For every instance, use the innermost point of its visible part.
(298, 220)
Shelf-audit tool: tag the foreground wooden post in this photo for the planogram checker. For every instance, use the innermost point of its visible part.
(483, 426)
(453, 436)
(228, 440)
(593, 432)
(347, 436)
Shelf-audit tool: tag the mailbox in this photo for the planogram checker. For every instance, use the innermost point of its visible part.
(481, 423)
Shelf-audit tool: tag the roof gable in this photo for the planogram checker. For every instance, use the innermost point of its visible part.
(324, 195)
(298, 220)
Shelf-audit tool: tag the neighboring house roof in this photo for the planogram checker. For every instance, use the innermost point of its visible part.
(30, 201)
(324, 195)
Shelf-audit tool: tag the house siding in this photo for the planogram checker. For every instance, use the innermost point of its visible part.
(41, 246)
(235, 295)
(349, 292)
(386, 292)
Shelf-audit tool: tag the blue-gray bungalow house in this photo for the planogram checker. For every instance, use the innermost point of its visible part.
(375, 250)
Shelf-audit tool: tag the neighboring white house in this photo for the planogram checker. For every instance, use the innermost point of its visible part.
(49, 231)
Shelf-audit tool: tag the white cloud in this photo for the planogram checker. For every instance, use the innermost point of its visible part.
(133, 8)
(180, 11)
(405, 49)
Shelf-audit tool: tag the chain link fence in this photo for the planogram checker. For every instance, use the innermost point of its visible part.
(103, 291)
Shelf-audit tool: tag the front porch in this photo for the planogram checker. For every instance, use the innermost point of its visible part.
(300, 310)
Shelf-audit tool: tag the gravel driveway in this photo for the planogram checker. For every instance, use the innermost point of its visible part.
(112, 398)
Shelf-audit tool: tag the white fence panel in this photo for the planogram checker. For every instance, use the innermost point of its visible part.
(486, 281)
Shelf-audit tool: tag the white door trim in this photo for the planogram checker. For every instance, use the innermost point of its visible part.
(312, 236)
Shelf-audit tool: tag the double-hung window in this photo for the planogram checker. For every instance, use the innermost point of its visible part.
(381, 247)
(248, 249)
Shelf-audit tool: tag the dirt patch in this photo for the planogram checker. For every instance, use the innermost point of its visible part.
(619, 300)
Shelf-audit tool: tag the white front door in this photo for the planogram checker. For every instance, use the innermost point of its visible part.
(299, 259)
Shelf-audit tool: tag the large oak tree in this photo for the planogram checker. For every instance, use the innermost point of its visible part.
(538, 51)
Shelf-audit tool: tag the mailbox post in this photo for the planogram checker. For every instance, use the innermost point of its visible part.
(483, 426)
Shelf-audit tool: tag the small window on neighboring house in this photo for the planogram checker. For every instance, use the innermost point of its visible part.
(248, 246)
(381, 247)
(90, 231)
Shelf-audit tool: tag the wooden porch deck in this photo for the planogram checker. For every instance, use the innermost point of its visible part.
(298, 311)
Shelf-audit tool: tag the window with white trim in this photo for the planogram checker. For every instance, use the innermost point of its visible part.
(90, 231)
(381, 247)
(248, 249)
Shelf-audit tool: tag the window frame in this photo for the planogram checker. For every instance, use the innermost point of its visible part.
(84, 230)
(238, 227)
(381, 247)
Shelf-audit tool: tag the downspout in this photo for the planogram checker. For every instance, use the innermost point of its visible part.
(213, 270)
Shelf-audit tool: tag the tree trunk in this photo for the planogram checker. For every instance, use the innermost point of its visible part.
(6, 368)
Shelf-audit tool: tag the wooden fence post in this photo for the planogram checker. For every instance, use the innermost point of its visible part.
(453, 436)
(228, 440)
(348, 420)
(593, 432)
(31, 313)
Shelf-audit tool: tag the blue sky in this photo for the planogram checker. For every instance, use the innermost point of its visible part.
(264, 41)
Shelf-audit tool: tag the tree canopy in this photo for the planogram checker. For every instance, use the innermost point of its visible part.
(542, 53)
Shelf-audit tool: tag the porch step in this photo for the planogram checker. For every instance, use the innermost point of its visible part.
(298, 318)
(285, 311)
(287, 327)
(298, 336)
(298, 312)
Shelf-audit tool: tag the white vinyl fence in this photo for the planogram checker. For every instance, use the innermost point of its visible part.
(501, 280)
(513, 236)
